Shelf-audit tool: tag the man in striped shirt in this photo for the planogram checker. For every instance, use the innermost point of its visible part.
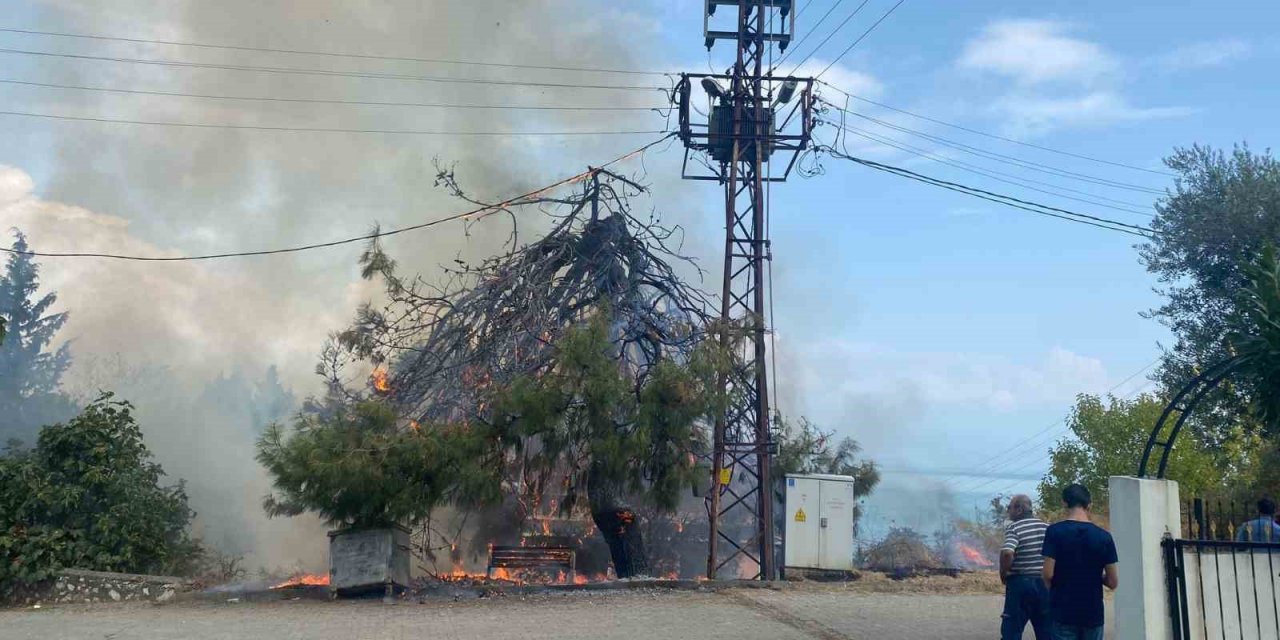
(1026, 599)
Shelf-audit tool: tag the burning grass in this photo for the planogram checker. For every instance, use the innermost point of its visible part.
(305, 580)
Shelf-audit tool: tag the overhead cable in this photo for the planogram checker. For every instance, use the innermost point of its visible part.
(861, 38)
(998, 198)
(992, 135)
(830, 36)
(998, 157)
(990, 465)
(440, 105)
(250, 127)
(474, 214)
(332, 54)
(1009, 178)
(796, 44)
(332, 72)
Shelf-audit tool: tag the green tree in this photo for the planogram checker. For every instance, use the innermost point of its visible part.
(30, 373)
(625, 442)
(89, 496)
(1257, 340)
(363, 467)
(1223, 209)
(1108, 437)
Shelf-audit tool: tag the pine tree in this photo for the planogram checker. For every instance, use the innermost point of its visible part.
(30, 372)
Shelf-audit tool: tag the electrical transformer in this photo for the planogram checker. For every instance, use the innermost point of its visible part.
(819, 532)
(720, 132)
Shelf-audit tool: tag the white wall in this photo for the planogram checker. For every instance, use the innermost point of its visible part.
(1143, 511)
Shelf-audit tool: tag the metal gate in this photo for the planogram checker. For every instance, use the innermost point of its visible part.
(1218, 586)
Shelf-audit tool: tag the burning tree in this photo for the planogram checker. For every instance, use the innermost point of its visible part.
(621, 439)
(584, 349)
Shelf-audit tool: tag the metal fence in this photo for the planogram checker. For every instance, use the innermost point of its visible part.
(1221, 587)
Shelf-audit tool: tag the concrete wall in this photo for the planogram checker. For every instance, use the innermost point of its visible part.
(1232, 594)
(1143, 511)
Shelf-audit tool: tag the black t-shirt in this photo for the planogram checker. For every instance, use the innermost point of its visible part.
(1080, 550)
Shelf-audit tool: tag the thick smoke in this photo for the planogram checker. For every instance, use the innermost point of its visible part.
(166, 335)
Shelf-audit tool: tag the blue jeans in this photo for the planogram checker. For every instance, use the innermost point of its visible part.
(1026, 599)
(1073, 632)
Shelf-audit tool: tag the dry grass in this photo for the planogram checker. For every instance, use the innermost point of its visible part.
(876, 582)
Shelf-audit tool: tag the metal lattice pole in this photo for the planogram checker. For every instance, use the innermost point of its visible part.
(740, 135)
(741, 442)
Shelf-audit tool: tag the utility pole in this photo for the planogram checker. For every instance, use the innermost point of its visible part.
(735, 144)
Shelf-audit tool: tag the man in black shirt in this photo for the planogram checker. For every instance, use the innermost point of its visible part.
(1079, 558)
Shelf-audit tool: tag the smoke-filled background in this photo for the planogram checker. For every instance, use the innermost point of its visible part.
(211, 351)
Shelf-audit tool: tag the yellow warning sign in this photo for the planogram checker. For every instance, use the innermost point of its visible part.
(725, 475)
(800, 515)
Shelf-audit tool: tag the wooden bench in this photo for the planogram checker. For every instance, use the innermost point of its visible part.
(501, 557)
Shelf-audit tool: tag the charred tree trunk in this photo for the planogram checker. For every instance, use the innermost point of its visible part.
(619, 524)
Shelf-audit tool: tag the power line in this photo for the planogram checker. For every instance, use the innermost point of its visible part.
(477, 213)
(993, 174)
(325, 53)
(829, 36)
(405, 132)
(990, 465)
(862, 37)
(994, 136)
(808, 33)
(797, 14)
(322, 101)
(999, 157)
(998, 198)
(332, 72)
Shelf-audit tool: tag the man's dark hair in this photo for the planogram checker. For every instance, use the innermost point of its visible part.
(1076, 495)
(1266, 507)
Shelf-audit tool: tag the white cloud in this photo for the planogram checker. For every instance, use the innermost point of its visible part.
(839, 75)
(15, 184)
(196, 317)
(1023, 114)
(1054, 79)
(1204, 55)
(1036, 51)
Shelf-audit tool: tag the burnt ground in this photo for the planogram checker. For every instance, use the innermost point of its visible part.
(801, 612)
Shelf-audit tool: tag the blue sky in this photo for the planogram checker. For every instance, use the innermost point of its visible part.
(935, 328)
(941, 330)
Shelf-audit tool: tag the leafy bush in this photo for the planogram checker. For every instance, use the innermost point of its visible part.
(89, 496)
(361, 467)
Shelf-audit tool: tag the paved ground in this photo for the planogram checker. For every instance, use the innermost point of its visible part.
(749, 614)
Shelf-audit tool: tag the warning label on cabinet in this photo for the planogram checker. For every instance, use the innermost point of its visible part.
(800, 515)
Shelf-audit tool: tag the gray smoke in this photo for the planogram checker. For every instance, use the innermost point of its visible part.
(169, 332)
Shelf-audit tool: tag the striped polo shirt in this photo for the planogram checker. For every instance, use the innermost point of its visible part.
(1024, 538)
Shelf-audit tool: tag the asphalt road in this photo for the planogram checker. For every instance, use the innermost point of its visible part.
(740, 614)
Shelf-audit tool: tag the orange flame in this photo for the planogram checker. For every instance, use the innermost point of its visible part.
(305, 580)
(380, 382)
(973, 556)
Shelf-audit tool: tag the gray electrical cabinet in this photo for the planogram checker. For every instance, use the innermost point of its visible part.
(819, 532)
